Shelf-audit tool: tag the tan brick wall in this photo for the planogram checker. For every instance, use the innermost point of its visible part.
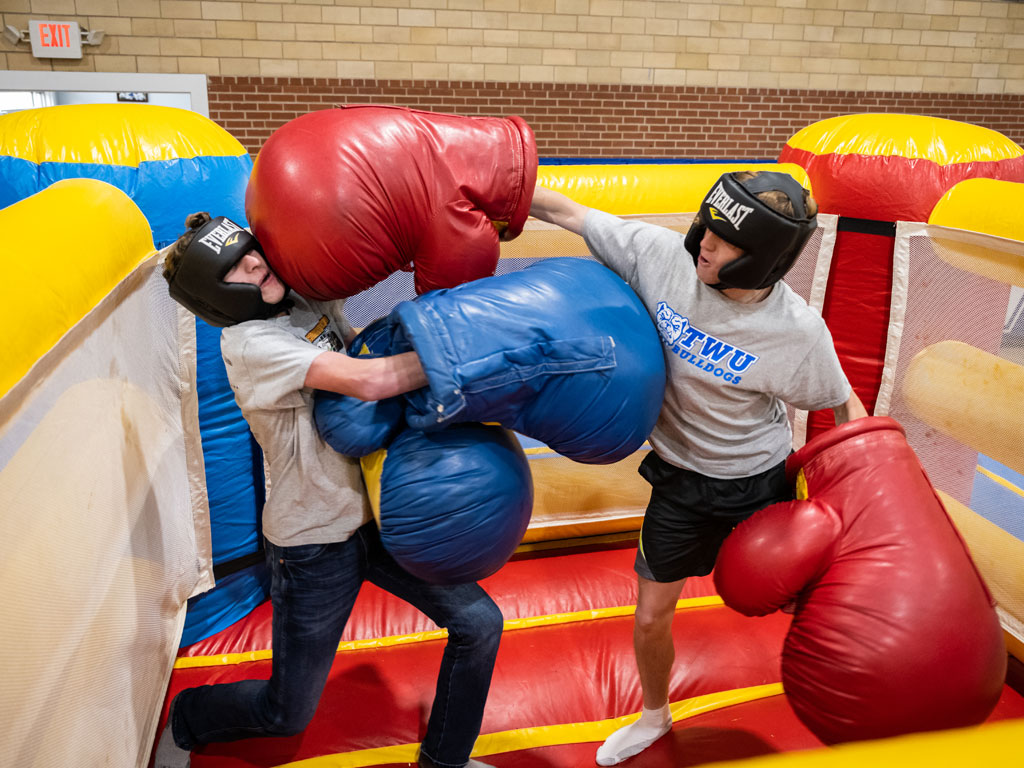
(595, 78)
(605, 121)
(949, 46)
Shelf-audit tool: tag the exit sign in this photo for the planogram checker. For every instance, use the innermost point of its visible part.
(55, 39)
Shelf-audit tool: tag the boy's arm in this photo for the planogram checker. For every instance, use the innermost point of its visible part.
(852, 409)
(366, 378)
(555, 208)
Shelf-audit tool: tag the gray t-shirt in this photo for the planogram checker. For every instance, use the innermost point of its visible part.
(316, 495)
(731, 366)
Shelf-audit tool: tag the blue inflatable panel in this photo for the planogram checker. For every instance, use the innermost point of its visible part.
(214, 184)
(18, 179)
(454, 504)
(562, 351)
(166, 191)
(236, 595)
(121, 176)
(232, 456)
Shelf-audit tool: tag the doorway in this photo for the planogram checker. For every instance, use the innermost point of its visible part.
(29, 90)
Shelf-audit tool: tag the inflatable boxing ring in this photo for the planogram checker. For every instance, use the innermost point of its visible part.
(106, 480)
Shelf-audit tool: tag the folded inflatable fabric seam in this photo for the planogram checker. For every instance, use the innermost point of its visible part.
(564, 356)
(425, 331)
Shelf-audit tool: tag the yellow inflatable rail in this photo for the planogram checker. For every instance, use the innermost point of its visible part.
(647, 188)
(56, 135)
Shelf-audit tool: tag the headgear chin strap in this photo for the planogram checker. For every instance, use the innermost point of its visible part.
(199, 285)
(771, 241)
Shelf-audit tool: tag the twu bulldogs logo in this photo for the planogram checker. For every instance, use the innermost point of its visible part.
(702, 349)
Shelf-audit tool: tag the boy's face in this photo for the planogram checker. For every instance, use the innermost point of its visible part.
(715, 253)
(252, 268)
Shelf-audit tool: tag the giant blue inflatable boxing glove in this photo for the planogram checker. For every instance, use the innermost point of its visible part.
(453, 505)
(562, 351)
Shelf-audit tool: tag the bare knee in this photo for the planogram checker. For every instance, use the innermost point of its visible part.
(656, 607)
(652, 620)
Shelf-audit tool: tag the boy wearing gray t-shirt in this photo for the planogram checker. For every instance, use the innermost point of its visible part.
(321, 542)
(738, 345)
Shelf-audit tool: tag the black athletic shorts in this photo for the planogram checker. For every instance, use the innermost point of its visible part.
(689, 516)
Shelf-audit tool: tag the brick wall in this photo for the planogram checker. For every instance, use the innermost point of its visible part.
(595, 78)
(958, 46)
(606, 121)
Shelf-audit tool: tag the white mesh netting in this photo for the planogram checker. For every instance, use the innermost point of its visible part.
(953, 378)
(99, 537)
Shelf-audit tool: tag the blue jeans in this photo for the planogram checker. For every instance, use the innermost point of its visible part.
(312, 591)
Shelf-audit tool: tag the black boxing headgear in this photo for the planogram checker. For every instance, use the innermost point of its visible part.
(199, 285)
(771, 241)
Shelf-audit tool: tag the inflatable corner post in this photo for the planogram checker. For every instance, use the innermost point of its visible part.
(925, 276)
(170, 163)
(96, 518)
(873, 170)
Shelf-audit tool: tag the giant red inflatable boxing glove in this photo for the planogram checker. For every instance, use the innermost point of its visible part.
(341, 198)
(894, 630)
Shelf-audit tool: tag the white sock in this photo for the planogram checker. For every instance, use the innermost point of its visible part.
(634, 738)
(168, 754)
